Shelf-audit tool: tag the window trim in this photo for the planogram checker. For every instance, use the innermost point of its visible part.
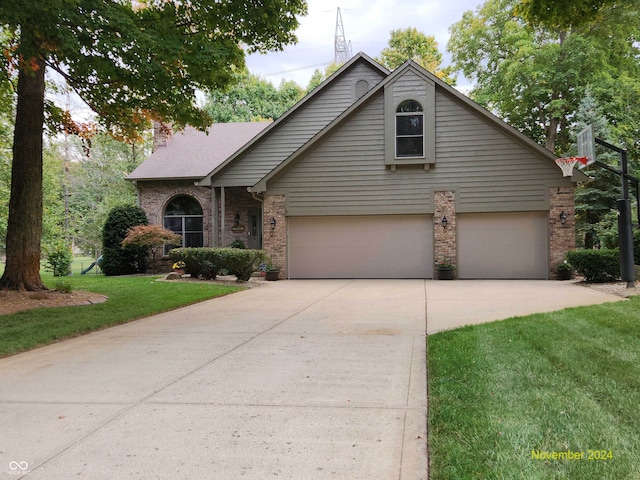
(425, 95)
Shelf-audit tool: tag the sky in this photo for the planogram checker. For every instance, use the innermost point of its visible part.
(367, 25)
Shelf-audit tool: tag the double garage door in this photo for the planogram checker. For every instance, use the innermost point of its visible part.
(510, 246)
(380, 246)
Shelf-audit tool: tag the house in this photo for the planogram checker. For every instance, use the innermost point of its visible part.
(375, 174)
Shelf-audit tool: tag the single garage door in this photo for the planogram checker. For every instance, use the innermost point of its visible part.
(511, 245)
(381, 246)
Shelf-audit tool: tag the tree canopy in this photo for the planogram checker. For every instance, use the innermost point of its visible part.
(535, 77)
(130, 62)
(252, 99)
(564, 14)
(411, 44)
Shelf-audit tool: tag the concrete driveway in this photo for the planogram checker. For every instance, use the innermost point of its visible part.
(296, 380)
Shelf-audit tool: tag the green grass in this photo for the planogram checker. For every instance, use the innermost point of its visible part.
(557, 382)
(130, 297)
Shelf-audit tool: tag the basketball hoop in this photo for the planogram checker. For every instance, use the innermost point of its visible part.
(567, 164)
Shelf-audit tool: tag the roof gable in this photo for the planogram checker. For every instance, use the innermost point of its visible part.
(292, 116)
(410, 67)
(192, 154)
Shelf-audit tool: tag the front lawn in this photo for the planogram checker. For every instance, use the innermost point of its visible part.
(130, 297)
(548, 396)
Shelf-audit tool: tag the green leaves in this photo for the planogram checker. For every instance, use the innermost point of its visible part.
(535, 77)
(252, 99)
(563, 15)
(133, 64)
(411, 44)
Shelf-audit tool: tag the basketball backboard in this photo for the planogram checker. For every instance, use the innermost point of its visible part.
(587, 145)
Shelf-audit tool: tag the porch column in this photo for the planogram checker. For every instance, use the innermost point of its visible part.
(222, 215)
(215, 240)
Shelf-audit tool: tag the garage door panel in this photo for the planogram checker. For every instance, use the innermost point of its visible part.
(386, 246)
(498, 246)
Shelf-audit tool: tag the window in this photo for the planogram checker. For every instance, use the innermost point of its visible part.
(183, 215)
(410, 123)
(409, 129)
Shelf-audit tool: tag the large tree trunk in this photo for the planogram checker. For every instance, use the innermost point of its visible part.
(24, 229)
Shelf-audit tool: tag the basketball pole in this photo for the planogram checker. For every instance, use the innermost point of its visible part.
(625, 228)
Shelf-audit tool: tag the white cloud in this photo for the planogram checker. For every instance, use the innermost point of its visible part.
(367, 25)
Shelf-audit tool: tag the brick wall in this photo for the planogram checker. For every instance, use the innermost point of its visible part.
(561, 236)
(154, 197)
(162, 135)
(444, 238)
(238, 200)
(274, 241)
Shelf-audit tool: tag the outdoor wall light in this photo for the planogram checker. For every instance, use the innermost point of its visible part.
(273, 223)
(444, 222)
(237, 218)
(563, 217)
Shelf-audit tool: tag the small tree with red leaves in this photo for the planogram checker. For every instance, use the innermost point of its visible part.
(153, 237)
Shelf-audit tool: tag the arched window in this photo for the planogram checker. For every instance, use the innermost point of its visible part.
(409, 129)
(183, 215)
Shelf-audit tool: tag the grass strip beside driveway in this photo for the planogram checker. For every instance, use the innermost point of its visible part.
(129, 298)
(548, 396)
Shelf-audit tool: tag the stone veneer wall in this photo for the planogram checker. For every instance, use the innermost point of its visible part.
(154, 196)
(445, 240)
(562, 238)
(274, 242)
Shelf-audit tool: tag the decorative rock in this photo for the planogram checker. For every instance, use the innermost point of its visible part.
(173, 276)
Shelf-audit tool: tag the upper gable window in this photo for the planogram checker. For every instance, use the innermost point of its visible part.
(409, 129)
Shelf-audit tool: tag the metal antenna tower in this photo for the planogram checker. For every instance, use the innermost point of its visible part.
(342, 47)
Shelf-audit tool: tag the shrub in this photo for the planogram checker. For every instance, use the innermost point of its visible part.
(64, 287)
(117, 260)
(206, 262)
(118, 222)
(597, 266)
(198, 262)
(241, 263)
(59, 260)
(237, 244)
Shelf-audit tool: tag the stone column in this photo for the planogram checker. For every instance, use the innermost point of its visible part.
(274, 240)
(562, 236)
(445, 241)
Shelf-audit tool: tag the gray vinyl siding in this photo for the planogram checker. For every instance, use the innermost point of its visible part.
(407, 86)
(345, 174)
(491, 171)
(297, 129)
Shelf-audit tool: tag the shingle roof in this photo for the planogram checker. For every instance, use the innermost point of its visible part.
(194, 154)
